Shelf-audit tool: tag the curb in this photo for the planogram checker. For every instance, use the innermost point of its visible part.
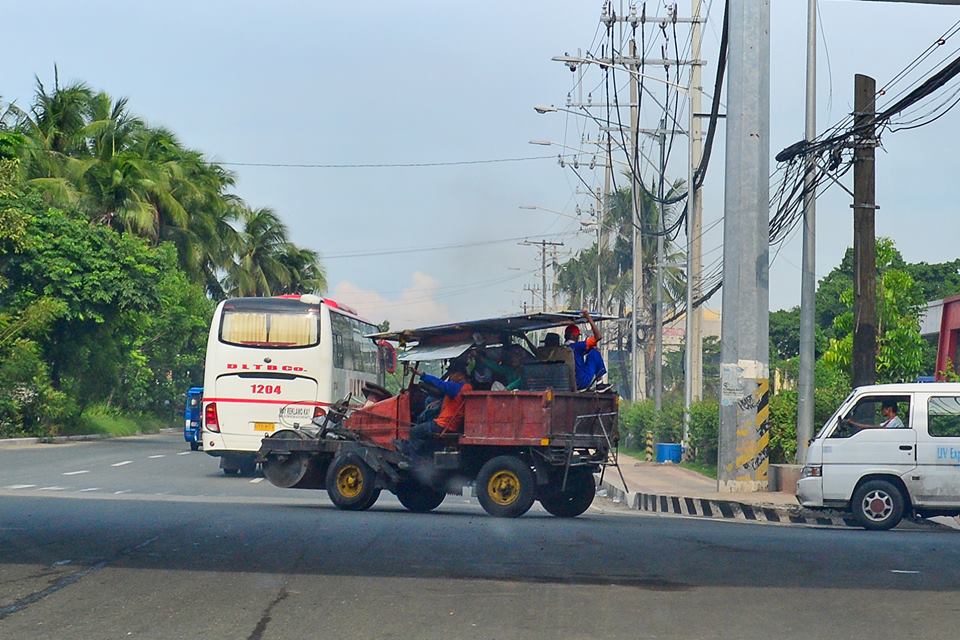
(23, 442)
(735, 510)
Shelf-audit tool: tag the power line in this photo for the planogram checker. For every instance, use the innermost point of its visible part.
(382, 165)
(461, 245)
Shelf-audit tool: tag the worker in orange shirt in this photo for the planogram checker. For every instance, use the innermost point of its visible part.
(450, 418)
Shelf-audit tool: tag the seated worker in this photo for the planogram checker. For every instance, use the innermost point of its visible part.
(508, 369)
(586, 357)
(450, 417)
(891, 420)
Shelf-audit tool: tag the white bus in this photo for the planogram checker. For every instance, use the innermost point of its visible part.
(277, 362)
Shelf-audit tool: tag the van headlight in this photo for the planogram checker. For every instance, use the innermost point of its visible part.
(811, 471)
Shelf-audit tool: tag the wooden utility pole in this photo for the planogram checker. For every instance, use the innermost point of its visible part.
(864, 359)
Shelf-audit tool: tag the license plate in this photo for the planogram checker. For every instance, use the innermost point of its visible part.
(263, 426)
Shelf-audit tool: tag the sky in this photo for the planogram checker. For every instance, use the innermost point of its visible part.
(420, 82)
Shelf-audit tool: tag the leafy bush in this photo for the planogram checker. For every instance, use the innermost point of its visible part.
(29, 405)
(704, 431)
(667, 426)
(108, 420)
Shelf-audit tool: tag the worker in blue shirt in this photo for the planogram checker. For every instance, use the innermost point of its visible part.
(588, 363)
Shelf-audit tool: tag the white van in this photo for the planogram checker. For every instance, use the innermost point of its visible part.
(888, 451)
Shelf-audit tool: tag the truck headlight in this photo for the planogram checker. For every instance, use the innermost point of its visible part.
(811, 471)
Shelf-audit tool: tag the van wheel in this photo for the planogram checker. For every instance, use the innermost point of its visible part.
(506, 487)
(577, 498)
(419, 498)
(374, 496)
(351, 483)
(878, 505)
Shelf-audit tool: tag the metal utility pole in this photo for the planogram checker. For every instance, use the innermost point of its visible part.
(808, 281)
(638, 389)
(864, 358)
(658, 348)
(543, 244)
(745, 383)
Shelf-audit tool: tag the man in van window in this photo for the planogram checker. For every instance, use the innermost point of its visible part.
(891, 419)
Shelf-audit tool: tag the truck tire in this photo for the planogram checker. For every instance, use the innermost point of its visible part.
(351, 483)
(878, 505)
(506, 487)
(573, 501)
(419, 498)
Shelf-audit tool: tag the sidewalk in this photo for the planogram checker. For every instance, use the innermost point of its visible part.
(671, 489)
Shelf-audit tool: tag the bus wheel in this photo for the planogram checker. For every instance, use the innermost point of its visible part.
(248, 467)
(351, 483)
(194, 446)
(573, 501)
(419, 498)
(506, 487)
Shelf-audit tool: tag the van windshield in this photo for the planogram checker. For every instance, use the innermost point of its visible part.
(270, 323)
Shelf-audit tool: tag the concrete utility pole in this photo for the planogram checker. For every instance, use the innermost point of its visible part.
(694, 328)
(808, 278)
(864, 358)
(745, 374)
(638, 389)
(543, 244)
(658, 348)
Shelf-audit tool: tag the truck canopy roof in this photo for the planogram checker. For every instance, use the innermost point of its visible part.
(493, 327)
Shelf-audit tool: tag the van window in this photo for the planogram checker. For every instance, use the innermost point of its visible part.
(868, 413)
(943, 417)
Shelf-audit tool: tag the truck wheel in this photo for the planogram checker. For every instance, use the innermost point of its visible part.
(576, 499)
(374, 496)
(351, 483)
(878, 505)
(419, 498)
(194, 446)
(506, 487)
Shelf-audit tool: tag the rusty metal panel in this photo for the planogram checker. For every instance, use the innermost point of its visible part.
(383, 422)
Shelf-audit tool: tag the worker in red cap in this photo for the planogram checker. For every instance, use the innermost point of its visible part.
(588, 362)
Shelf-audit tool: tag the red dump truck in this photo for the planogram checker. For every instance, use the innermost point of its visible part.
(542, 442)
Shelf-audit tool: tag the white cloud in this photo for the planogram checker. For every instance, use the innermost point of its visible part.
(413, 306)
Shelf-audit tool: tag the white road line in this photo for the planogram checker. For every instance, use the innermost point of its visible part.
(90, 489)
(116, 493)
(120, 464)
(903, 571)
(51, 488)
(156, 456)
(75, 473)
(20, 486)
(256, 480)
(184, 453)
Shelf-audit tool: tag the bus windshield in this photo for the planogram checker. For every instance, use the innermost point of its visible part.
(270, 323)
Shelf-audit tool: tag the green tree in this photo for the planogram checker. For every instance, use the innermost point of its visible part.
(900, 348)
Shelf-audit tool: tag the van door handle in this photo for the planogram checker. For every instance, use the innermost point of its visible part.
(906, 447)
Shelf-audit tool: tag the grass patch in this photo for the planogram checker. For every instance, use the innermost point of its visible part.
(704, 469)
(111, 422)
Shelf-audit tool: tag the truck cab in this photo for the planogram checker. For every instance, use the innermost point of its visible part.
(880, 468)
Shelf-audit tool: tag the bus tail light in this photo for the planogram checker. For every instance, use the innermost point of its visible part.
(318, 412)
(210, 419)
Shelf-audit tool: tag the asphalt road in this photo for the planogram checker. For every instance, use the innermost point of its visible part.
(138, 538)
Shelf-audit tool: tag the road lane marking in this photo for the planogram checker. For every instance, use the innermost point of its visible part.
(90, 489)
(51, 488)
(184, 453)
(256, 480)
(75, 473)
(157, 456)
(20, 486)
(904, 571)
(120, 464)
(116, 493)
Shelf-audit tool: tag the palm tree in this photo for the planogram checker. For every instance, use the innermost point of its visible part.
(306, 273)
(259, 269)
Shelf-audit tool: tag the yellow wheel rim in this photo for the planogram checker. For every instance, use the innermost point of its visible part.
(349, 481)
(504, 488)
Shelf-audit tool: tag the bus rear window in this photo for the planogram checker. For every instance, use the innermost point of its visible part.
(270, 323)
